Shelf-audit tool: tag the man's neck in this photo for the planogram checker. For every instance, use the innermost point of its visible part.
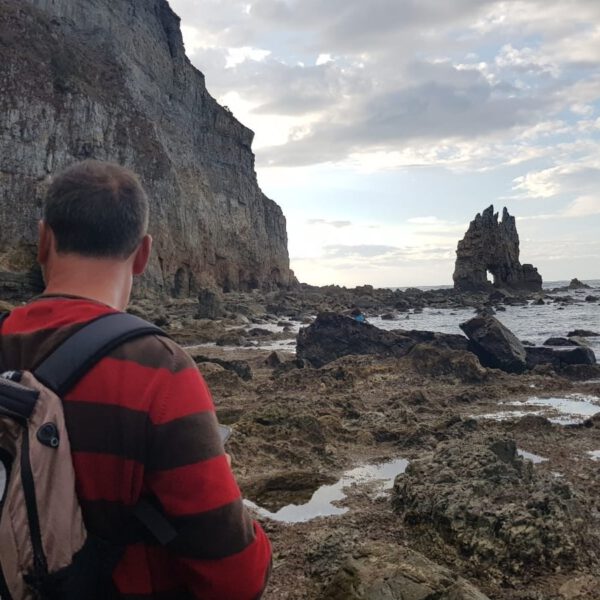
(96, 279)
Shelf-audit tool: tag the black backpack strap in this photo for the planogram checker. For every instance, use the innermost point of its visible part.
(2, 317)
(81, 351)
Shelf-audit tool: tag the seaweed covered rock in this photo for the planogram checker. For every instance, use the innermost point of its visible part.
(497, 510)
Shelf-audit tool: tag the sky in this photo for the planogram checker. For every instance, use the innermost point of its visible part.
(383, 126)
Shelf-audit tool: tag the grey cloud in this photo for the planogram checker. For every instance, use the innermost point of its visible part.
(383, 91)
(449, 104)
(383, 255)
(336, 224)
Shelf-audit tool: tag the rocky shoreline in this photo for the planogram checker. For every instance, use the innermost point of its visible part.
(498, 494)
(472, 517)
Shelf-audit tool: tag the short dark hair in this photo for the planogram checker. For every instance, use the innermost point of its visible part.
(97, 209)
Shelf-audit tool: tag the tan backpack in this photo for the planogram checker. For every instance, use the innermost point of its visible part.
(45, 551)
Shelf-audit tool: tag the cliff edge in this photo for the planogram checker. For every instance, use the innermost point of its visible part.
(110, 80)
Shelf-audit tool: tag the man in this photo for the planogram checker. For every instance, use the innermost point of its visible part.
(141, 422)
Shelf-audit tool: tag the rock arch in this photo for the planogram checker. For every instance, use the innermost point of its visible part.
(492, 245)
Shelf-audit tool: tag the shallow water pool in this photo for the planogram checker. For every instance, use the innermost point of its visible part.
(321, 504)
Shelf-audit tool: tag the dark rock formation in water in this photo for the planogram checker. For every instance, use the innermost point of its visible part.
(493, 246)
(110, 80)
(332, 336)
(495, 345)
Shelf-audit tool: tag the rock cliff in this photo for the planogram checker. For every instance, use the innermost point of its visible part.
(110, 80)
(493, 246)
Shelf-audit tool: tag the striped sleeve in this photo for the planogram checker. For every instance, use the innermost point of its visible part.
(187, 471)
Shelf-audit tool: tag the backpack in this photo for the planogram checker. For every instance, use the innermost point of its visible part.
(45, 551)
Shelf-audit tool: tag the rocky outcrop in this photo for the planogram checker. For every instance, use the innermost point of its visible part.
(332, 336)
(493, 246)
(495, 345)
(385, 572)
(110, 80)
(559, 357)
(493, 507)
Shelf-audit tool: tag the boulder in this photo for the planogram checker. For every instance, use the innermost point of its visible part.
(386, 572)
(240, 367)
(210, 305)
(452, 341)
(495, 345)
(560, 341)
(332, 336)
(575, 284)
(435, 362)
(583, 333)
(559, 357)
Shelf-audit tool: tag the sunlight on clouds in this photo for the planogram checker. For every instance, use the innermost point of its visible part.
(237, 56)
(584, 207)
(269, 130)
(542, 184)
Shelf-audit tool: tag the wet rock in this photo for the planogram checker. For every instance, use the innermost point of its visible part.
(233, 337)
(495, 345)
(452, 341)
(332, 336)
(575, 284)
(538, 302)
(434, 362)
(274, 359)
(493, 246)
(560, 341)
(388, 317)
(293, 487)
(240, 367)
(583, 333)
(290, 365)
(592, 298)
(210, 304)
(559, 357)
(394, 573)
(498, 511)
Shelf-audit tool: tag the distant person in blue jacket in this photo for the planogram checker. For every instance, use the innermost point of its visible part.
(357, 315)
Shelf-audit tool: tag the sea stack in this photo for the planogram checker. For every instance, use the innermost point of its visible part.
(492, 245)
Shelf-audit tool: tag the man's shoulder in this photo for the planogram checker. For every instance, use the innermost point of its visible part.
(154, 351)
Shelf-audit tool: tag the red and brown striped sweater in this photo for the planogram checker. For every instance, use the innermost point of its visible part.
(142, 422)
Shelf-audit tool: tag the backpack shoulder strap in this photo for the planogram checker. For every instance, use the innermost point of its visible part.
(3, 316)
(82, 350)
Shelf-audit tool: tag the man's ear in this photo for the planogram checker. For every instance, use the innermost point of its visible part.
(45, 242)
(142, 255)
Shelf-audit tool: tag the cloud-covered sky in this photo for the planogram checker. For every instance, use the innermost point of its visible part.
(383, 126)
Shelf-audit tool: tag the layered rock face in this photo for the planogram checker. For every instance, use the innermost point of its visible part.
(493, 246)
(110, 80)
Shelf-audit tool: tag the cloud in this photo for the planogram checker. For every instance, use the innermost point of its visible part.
(397, 83)
(336, 224)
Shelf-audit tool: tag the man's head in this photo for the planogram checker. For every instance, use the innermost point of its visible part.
(93, 235)
(97, 209)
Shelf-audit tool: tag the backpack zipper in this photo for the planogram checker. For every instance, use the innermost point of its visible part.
(40, 564)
